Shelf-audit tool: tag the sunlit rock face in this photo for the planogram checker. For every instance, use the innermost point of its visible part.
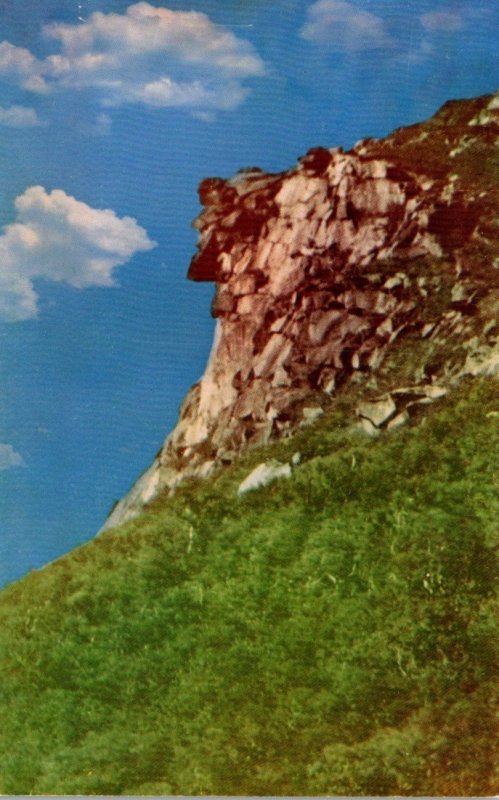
(322, 270)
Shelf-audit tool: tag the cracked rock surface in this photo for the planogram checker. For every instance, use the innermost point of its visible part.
(323, 271)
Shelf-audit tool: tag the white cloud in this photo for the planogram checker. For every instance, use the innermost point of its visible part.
(442, 21)
(192, 95)
(59, 238)
(9, 457)
(147, 55)
(341, 26)
(145, 29)
(103, 125)
(19, 117)
(22, 65)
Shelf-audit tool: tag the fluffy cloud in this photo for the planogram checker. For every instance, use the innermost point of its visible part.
(9, 457)
(61, 239)
(147, 55)
(19, 117)
(144, 29)
(340, 26)
(20, 64)
(442, 21)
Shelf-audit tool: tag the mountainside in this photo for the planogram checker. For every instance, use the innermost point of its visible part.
(312, 610)
(321, 270)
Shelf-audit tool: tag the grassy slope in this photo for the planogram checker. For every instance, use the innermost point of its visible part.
(330, 634)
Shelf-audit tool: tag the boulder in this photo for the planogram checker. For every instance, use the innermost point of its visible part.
(378, 412)
(264, 474)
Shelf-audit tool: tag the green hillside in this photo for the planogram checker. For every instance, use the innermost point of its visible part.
(331, 633)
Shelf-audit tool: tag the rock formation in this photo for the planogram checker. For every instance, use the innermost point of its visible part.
(323, 272)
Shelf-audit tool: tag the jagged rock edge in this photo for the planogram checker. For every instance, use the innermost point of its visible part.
(309, 296)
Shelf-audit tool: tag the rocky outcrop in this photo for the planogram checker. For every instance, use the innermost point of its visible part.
(324, 270)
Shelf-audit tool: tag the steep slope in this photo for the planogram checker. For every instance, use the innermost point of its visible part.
(332, 632)
(322, 269)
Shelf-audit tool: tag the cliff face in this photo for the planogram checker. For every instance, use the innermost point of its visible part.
(324, 272)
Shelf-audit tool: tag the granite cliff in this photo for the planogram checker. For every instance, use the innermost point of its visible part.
(373, 268)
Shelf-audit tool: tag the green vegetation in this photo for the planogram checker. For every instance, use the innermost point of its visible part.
(329, 634)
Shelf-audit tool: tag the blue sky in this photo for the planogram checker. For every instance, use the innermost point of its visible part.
(110, 115)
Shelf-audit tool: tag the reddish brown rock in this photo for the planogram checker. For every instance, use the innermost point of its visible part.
(321, 269)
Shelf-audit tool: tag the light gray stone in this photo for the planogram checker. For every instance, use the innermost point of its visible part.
(264, 474)
(368, 427)
(379, 411)
(398, 421)
(310, 414)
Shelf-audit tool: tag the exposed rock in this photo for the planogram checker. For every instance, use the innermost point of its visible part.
(378, 412)
(398, 421)
(482, 361)
(264, 474)
(435, 392)
(311, 414)
(325, 270)
(394, 410)
(369, 427)
(487, 115)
